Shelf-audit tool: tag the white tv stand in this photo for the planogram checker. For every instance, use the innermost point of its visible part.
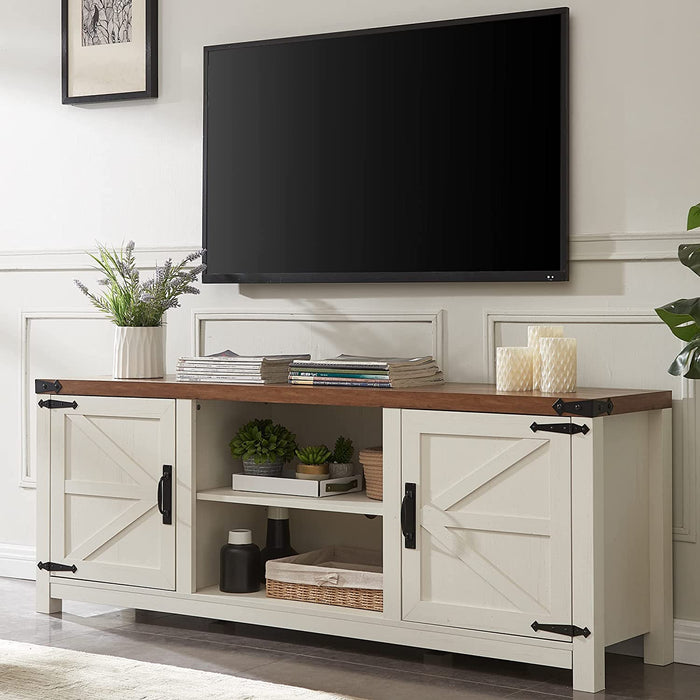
(541, 535)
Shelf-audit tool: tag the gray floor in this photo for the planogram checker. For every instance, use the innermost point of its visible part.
(358, 669)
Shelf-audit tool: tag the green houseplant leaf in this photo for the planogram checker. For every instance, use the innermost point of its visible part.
(689, 255)
(694, 217)
(682, 317)
(343, 450)
(313, 454)
(263, 441)
(687, 363)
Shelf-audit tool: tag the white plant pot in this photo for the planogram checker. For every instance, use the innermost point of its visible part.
(138, 352)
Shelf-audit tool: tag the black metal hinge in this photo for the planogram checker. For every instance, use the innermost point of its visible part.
(44, 386)
(55, 403)
(567, 630)
(592, 408)
(565, 428)
(52, 566)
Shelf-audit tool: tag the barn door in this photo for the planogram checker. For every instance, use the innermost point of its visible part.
(108, 460)
(493, 522)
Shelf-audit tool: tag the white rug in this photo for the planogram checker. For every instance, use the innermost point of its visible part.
(31, 672)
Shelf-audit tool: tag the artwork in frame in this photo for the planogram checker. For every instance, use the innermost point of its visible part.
(109, 50)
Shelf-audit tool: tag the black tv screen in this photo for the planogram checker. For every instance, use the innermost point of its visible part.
(425, 152)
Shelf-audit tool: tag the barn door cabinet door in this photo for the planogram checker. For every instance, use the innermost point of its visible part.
(492, 522)
(110, 459)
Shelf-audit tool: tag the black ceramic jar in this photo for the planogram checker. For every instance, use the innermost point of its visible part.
(240, 563)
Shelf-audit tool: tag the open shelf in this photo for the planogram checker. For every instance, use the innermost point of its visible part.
(260, 599)
(342, 503)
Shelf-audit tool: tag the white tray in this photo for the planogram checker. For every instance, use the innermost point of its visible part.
(291, 486)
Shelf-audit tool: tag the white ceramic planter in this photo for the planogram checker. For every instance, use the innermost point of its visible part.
(138, 352)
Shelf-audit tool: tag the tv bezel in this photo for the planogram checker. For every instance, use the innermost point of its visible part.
(560, 275)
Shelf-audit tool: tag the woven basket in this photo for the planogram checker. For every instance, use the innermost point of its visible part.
(372, 463)
(362, 598)
(346, 576)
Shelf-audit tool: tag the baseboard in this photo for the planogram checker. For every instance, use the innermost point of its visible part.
(686, 634)
(17, 561)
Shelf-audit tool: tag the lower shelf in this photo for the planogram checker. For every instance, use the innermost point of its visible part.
(260, 599)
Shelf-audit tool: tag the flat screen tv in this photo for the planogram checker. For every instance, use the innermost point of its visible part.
(423, 152)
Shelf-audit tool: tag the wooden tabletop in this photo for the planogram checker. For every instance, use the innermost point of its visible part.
(449, 396)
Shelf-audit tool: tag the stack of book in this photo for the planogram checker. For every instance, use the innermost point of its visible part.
(354, 370)
(229, 368)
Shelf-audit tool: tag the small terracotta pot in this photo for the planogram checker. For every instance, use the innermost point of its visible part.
(312, 471)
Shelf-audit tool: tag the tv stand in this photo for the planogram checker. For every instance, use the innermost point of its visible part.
(542, 534)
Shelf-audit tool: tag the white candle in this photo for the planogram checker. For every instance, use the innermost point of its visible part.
(514, 369)
(534, 333)
(558, 368)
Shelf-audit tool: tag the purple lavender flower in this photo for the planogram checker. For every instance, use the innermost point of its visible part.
(190, 290)
(103, 282)
(81, 287)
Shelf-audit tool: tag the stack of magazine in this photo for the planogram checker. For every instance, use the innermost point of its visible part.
(229, 368)
(355, 370)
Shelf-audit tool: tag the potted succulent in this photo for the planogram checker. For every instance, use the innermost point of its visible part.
(313, 462)
(683, 315)
(263, 446)
(341, 459)
(137, 307)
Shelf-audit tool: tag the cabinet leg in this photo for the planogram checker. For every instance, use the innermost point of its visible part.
(589, 665)
(658, 643)
(44, 602)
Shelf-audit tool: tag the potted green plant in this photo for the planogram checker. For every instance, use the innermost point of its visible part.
(313, 462)
(683, 315)
(341, 459)
(137, 307)
(263, 446)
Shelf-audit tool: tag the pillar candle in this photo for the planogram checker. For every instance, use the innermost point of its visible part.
(514, 369)
(534, 333)
(558, 368)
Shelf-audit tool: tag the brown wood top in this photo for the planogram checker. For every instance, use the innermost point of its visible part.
(450, 396)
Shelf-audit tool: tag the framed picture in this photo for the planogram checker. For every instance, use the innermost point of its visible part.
(110, 50)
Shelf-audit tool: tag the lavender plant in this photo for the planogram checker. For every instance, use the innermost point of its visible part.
(127, 300)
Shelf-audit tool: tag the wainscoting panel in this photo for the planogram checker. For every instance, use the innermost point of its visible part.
(616, 349)
(321, 334)
(54, 344)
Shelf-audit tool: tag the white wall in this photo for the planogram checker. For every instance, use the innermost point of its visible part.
(70, 175)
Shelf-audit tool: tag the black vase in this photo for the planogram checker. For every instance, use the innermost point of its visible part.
(240, 564)
(277, 544)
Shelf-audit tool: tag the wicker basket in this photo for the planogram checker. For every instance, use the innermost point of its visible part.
(372, 463)
(346, 576)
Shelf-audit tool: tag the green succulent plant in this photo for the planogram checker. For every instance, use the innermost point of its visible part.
(263, 441)
(343, 451)
(313, 454)
(683, 315)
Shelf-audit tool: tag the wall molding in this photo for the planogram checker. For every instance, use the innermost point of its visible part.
(17, 561)
(630, 246)
(621, 246)
(686, 636)
(26, 391)
(70, 259)
(434, 319)
(685, 526)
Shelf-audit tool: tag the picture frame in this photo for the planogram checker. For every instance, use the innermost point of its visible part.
(109, 50)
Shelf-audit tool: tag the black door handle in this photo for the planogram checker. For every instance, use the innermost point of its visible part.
(408, 516)
(165, 495)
